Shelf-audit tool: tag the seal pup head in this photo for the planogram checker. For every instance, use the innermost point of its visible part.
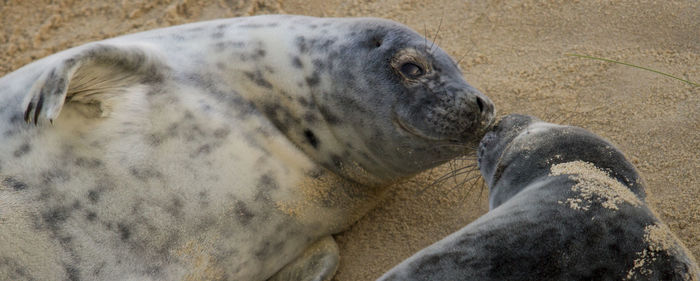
(520, 149)
(380, 102)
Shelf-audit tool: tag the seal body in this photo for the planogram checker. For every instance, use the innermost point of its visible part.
(564, 205)
(221, 150)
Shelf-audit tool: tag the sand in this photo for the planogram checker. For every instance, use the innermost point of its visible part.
(514, 51)
(594, 185)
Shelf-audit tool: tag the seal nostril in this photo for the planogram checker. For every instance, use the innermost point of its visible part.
(480, 103)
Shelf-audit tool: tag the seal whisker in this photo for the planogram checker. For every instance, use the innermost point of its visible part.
(436, 35)
(425, 37)
(461, 58)
(468, 146)
(482, 187)
(461, 159)
(452, 174)
(465, 181)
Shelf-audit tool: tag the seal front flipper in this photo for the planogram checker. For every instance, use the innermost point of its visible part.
(318, 263)
(93, 75)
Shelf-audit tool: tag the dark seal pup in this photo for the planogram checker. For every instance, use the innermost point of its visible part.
(565, 205)
(222, 150)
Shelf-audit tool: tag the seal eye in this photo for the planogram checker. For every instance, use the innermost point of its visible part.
(411, 70)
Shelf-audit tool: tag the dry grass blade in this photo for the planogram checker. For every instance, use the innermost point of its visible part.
(635, 66)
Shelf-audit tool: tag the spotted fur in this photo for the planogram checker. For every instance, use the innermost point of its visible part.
(220, 150)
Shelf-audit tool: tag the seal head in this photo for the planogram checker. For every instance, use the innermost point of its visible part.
(523, 148)
(394, 104)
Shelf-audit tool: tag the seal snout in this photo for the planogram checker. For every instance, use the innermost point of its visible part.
(477, 115)
(497, 139)
(485, 118)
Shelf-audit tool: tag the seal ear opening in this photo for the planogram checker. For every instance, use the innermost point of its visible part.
(91, 76)
(377, 41)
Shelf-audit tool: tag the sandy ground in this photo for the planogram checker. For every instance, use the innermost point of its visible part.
(514, 51)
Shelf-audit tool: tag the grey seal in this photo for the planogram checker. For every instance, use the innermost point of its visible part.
(223, 150)
(565, 204)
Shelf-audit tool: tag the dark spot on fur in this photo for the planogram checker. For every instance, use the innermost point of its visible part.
(337, 161)
(310, 117)
(329, 116)
(22, 149)
(175, 208)
(326, 44)
(203, 199)
(202, 150)
(228, 45)
(13, 270)
(280, 117)
(14, 183)
(319, 64)
(88, 162)
(93, 195)
(263, 251)
(258, 78)
(55, 216)
(311, 138)
(303, 101)
(313, 80)
(217, 35)
(16, 119)
(154, 140)
(64, 240)
(55, 176)
(72, 272)
(243, 214)
(296, 62)
(11, 132)
(266, 183)
(124, 231)
(301, 44)
(144, 174)
(221, 133)
(91, 216)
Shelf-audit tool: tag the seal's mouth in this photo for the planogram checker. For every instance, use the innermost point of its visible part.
(406, 127)
(412, 130)
(489, 134)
